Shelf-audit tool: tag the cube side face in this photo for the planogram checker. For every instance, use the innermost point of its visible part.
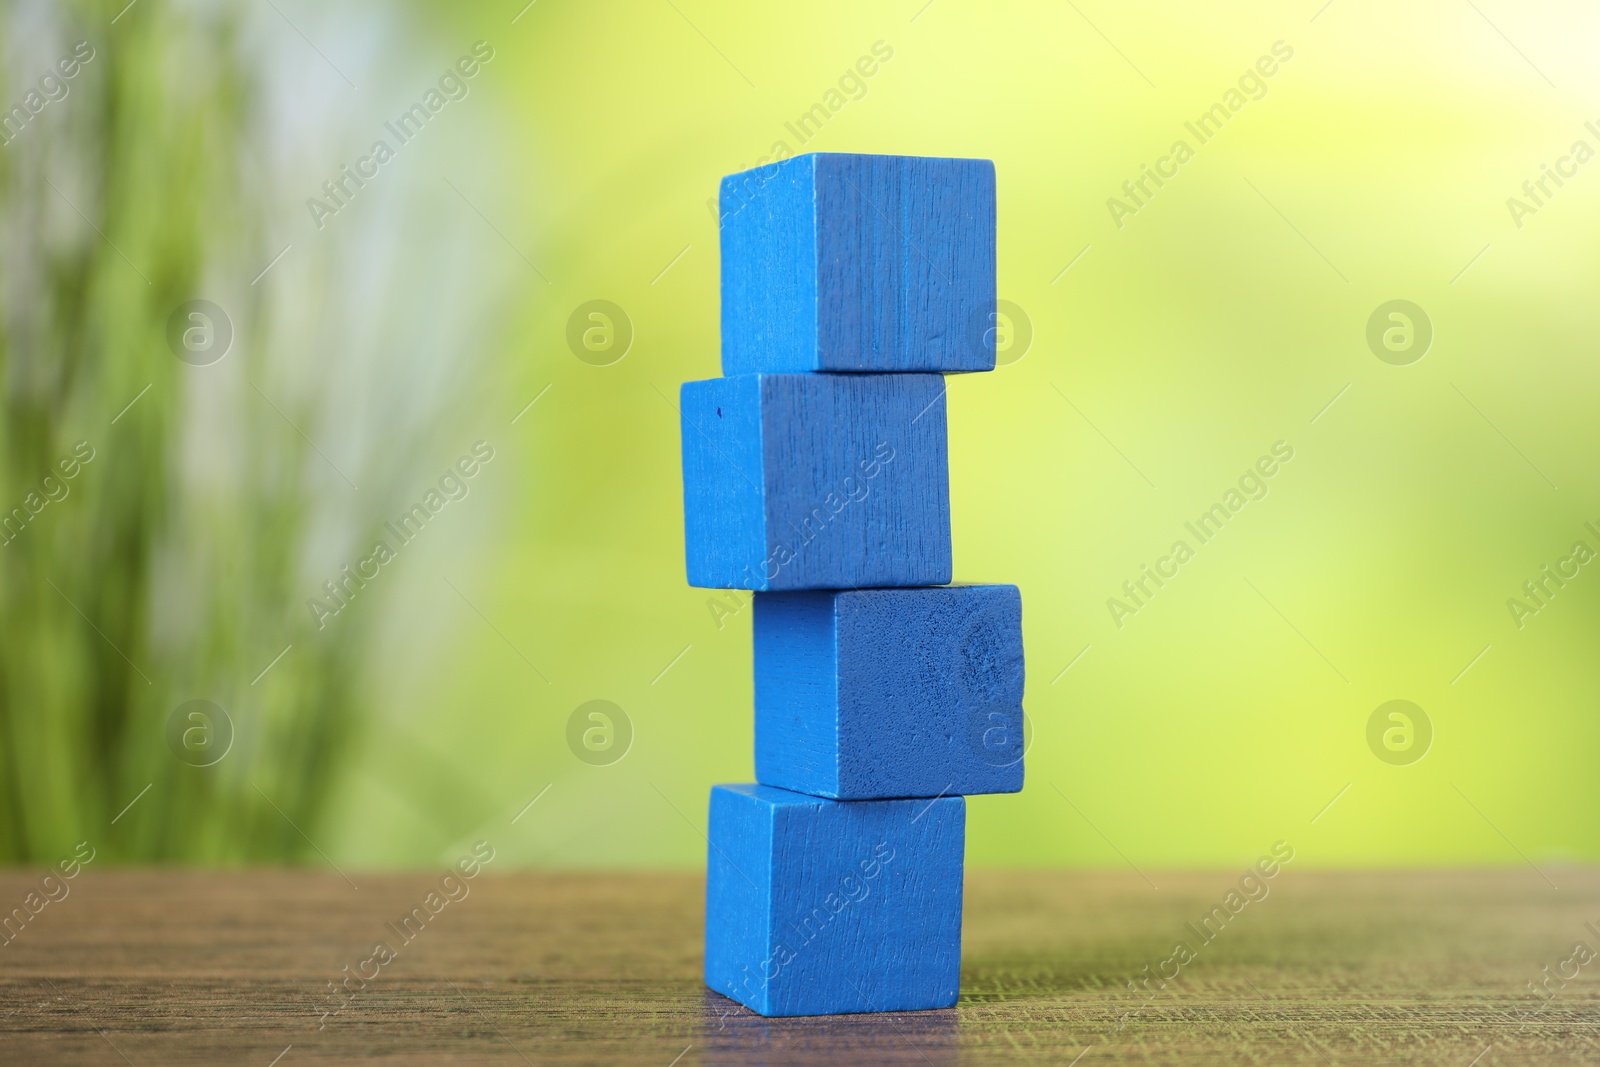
(796, 692)
(906, 263)
(768, 233)
(739, 895)
(857, 477)
(930, 691)
(723, 527)
(870, 915)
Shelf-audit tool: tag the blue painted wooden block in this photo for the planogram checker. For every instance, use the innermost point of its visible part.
(890, 692)
(859, 263)
(815, 481)
(816, 907)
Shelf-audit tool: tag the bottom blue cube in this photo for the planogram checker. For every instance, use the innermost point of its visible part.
(818, 907)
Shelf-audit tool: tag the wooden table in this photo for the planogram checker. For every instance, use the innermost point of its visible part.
(1331, 968)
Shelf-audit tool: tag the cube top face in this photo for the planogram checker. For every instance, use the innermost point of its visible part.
(875, 693)
(859, 263)
(815, 481)
(815, 907)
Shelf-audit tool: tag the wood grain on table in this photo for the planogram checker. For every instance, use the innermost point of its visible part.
(161, 967)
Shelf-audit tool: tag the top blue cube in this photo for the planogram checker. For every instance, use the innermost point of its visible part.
(852, 263)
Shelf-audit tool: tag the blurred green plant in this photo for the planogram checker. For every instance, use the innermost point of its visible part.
(1195, 336)
(163, 573)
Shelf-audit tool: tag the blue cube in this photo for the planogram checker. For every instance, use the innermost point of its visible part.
(815, 481)
(876, 693)
(817, 907)
(859, 263)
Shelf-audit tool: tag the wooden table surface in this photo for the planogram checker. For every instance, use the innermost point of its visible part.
(156, 967)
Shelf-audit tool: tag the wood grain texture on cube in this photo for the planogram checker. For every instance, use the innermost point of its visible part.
(859, 263)
(819, 907)
(815, 481)
(873, 693)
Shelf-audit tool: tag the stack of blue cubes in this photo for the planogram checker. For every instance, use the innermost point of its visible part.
(816, 475)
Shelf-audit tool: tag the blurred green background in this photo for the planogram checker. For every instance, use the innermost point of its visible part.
(1147, 365)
